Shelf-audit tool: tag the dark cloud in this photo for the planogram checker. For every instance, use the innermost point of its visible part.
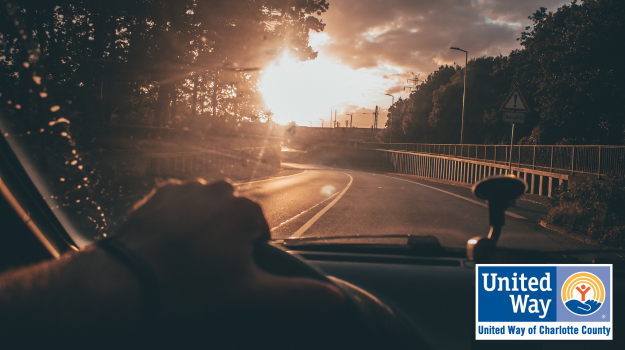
(416, 35)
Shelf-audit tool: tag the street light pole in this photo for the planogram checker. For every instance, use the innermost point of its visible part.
(464, 92)
(389, 110)
(321, 122)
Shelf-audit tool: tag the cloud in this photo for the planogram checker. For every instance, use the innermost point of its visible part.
(416, 35)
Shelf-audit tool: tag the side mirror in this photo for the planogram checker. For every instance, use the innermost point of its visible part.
(499, 191)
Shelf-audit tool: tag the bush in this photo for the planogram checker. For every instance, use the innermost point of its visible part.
(595, 208)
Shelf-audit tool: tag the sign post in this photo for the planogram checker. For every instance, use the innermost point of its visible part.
(515, 109)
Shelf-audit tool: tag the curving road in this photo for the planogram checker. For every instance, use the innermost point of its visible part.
(321, 201)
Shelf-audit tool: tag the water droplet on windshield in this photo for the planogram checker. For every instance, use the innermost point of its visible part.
(60, 120)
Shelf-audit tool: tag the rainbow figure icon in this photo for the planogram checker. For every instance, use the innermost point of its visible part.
(583, 293)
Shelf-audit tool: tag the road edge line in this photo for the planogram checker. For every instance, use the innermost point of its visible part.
(314, 219)
(516, 216)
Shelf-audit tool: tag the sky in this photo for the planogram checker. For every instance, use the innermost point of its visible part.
(370, 47)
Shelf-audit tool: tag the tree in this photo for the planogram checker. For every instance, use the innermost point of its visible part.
(123, 58)
(568, 59)
(566, 69)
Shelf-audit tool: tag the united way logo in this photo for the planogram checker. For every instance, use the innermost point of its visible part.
(543, 302)
(583, 293)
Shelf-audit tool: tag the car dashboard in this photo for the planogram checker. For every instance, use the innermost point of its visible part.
(435, 295)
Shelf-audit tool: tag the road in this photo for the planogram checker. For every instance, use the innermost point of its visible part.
(317, 201)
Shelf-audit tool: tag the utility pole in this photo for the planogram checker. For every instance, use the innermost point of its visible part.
(351, 117)
(413, 83)
(391, 125)
(375, 123)
(464, 92)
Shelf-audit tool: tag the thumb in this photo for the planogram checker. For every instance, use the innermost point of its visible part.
(304, 294)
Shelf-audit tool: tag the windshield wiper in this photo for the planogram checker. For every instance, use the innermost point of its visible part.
(422, 245)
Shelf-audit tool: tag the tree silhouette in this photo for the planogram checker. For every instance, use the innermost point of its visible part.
(141, 60)
(567, 69)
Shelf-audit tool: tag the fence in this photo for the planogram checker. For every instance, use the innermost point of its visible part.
(437, 166)
(240, 164)
(596, 160)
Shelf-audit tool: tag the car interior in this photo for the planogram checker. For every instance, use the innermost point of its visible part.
(403, 292)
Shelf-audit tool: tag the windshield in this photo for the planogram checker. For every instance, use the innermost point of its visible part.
(342, 118)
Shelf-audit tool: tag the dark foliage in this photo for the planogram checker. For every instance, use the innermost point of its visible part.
(594, 208)
(568, 70)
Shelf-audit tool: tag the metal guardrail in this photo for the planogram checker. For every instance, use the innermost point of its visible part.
(595, 160)
(435, 166)
(241, 164)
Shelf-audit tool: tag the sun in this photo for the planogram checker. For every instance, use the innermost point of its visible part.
(304, 92)
(298, 91)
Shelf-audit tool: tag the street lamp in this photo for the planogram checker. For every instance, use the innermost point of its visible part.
(321, 122)
(391, 130)
(466, 60)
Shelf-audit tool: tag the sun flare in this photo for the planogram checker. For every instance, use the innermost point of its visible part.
(305, 92)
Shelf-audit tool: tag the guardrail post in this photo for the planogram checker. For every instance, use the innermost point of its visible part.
(507, 154)
(495, 157)
(599, 166)
(551, 165)
(525, 179)
(572, 159)
(550, 187)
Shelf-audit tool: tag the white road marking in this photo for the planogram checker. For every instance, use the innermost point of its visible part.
(271, 179)
(304, 212)
(516, 216)
(323, 211)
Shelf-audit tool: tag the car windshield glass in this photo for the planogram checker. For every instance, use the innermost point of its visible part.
(341, 117)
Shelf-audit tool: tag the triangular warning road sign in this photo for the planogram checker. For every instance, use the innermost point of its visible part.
(515, 102)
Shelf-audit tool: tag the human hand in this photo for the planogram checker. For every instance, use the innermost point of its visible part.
(583, 308)
(199, 240)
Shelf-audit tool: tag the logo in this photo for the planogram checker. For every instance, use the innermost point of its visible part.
(543, 302)
(583, 293)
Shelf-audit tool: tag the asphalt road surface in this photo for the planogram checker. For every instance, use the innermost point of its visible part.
(317, 201)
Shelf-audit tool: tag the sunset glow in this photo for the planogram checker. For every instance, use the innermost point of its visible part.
(304, 92)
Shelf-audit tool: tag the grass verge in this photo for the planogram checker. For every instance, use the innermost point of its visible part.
(594, 208)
